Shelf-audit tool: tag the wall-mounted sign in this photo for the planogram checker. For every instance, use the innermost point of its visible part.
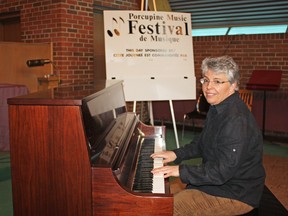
(152, 52)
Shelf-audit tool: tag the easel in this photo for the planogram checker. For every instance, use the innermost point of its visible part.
(146, 5)
(150, 108)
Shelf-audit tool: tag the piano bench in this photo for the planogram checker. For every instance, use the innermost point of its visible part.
(269, 205)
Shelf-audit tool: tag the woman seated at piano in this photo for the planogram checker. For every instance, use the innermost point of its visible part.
(231, 178)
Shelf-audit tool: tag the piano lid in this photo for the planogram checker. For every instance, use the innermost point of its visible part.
(115, 141)
(99, 111)
(66, 94)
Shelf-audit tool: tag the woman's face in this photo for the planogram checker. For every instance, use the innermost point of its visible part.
(217, 87)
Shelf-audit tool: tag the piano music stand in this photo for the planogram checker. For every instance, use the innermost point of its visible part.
(264, 80)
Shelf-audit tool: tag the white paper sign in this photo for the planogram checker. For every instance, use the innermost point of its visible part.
(152, 52)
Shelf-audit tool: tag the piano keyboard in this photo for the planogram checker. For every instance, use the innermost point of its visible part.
(145, 181)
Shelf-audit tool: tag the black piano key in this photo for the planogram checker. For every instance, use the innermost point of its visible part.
(143, 180)
(143, 191)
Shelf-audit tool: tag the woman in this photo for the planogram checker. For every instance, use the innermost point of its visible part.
(231, 178)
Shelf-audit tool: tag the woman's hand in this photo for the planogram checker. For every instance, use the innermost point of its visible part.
(168, 156)
(167, 171)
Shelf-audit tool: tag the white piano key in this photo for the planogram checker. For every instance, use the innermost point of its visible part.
(158, 179)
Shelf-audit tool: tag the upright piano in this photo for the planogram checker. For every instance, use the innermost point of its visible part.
(75, 150)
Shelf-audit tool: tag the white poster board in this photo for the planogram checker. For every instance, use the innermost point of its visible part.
(152, 52)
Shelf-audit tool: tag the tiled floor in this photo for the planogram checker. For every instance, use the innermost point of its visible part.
(277, 177)
(5, 185)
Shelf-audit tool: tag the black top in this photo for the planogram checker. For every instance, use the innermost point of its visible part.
(231, 148)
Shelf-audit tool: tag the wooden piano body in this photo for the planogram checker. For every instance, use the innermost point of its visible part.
(52, 170)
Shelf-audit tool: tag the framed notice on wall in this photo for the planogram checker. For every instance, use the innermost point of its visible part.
(152, 52)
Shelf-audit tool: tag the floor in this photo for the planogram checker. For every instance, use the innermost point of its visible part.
(275, 162)
(5, 185)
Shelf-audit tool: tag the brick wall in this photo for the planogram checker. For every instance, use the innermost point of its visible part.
(68, 24)
(251, 52)
(120, 4)
(254, 52)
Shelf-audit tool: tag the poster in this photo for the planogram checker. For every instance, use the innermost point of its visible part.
(152, 52)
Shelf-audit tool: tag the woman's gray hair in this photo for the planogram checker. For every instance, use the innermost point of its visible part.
(223, 64)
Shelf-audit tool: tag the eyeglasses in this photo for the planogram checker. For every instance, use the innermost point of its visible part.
(205, 81)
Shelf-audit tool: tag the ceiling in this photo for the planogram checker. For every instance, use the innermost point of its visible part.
(226, 13)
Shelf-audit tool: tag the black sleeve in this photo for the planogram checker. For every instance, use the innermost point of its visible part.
(189, 151)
